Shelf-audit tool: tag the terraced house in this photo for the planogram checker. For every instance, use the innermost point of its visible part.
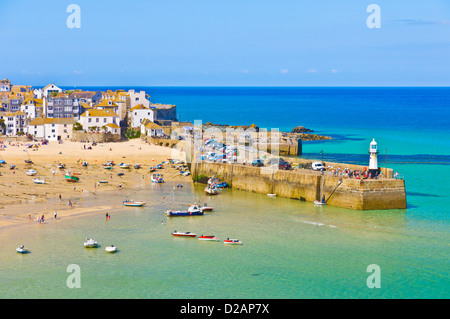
(63, 106)
(98, 120)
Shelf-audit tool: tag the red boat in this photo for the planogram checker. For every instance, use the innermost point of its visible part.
(181, 234)
(232, 242)
(208, 238)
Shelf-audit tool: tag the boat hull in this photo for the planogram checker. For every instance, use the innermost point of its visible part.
(183, 213)
(71, 179)
(209, 238)
(134, 204)
(184, 234)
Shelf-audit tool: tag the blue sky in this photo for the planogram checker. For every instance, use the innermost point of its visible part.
(230, 43)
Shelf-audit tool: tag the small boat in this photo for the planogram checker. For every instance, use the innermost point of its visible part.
(317, 202)
(123, 165)
(211, 190)
(2, 161)
(84, 163)
(152, 169)
(111, 249)
(232, 242)
(70, 178)
(28, 161)
(132, 203)
(22, 250)
(185, 173)
(103, 182)
(157, 178)
(120, 174)
(90, 243)
(31, 172)
(107, 167)
(137, 166)
(208, 238)
(206, 208)
(61, 166)
(193, 210)
(181, 234)
(272, 195)
(12, 166)
(38, 181)
(109, 163)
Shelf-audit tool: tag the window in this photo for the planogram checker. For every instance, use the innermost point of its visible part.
(104, 120)
(97, 120)
(89, 120)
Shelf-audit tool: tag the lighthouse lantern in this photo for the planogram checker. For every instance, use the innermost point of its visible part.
(373, 162)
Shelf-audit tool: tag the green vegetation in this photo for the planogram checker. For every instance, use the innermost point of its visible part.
(131, 134)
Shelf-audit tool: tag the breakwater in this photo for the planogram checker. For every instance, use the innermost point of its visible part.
(307, 185)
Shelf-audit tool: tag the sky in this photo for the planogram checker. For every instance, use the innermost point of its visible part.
(225, 43)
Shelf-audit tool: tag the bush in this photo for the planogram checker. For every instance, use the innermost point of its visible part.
(131, 134)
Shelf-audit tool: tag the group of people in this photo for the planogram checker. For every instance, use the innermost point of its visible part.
(41, 219)
(350, 173)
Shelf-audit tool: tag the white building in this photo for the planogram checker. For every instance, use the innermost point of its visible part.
(138, 98)
(14, 123)
(139, 113)
(95, 119)
(32, 108)
(50, 89)
(51, 129)
(151, 129)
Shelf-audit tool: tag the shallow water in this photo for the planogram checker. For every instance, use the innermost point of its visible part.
(291, 249)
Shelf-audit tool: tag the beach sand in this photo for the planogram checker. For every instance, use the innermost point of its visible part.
(21, 198)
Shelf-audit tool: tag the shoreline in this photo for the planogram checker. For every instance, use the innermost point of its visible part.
(22, 197)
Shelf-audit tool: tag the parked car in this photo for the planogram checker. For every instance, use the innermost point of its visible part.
(284, 165)
(257, 162)
(317, 166)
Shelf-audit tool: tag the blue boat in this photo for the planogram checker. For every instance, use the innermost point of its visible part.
(193, 210)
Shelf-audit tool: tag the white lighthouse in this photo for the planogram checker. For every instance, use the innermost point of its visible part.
(373, 151)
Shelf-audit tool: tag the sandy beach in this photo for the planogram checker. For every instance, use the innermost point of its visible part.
(22, 199)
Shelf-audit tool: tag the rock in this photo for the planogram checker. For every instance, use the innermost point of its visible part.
(301, 129)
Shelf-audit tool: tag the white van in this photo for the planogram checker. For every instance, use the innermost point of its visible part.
(317, 166)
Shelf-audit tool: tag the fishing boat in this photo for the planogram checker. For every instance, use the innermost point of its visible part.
(317, 202)
(232, 242)
(137, 166)
(71, 178)
(90, 243)
(61, 166)
(31, 172)
(111, 249)
(125, 166)
(38, 181)
(107, 166)
(208, 238)
(181, 234)
(103, 182)
(22, 250)
(132, 203)
(193, 210)
(12, 166)
(206, 208)
(157, 178)
(152, 169)
(28, 161)
(211, 190)
(272, 195)
(84, 163)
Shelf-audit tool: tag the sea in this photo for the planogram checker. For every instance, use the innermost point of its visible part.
(291, 249)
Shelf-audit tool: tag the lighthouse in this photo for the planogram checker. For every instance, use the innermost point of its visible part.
(373, 162)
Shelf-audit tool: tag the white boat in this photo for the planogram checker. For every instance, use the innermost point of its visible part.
(123, 165)
(31, 172)
(111, 249)
(211, 190)
(316, 202)
(133, 203)
(232, 242)
(193, 210)
(22, 250)
(90, 243)
(183, 234)
(157, 178)
(38, 181)
(272, 195)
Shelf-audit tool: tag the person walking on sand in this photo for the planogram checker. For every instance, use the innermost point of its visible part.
(55, 214)
(106, 216)
(70, 204)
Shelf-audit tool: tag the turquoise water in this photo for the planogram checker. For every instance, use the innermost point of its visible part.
(291, 249)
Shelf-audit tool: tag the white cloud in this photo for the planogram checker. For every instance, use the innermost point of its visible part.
(245, 71)
(335, 71)
(77, 72)
(284, 71)
(311, 71)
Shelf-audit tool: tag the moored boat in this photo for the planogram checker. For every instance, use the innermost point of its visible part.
(90, 243)
(157, 178)
(125, 166)
(28, 161)
(229, 241)
(316, 202)
(61, 166)
(133, 203)
(193, 210)
(211, 190)
(71, 178)
(31, 172)
(182, 234)
(22, 250)
(111, 249)
(209, 238)
(38, 181)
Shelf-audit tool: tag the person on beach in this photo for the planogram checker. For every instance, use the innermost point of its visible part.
(55, 214)
(60, 198)
(107, 217)
(70, 204)
(42, 218)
